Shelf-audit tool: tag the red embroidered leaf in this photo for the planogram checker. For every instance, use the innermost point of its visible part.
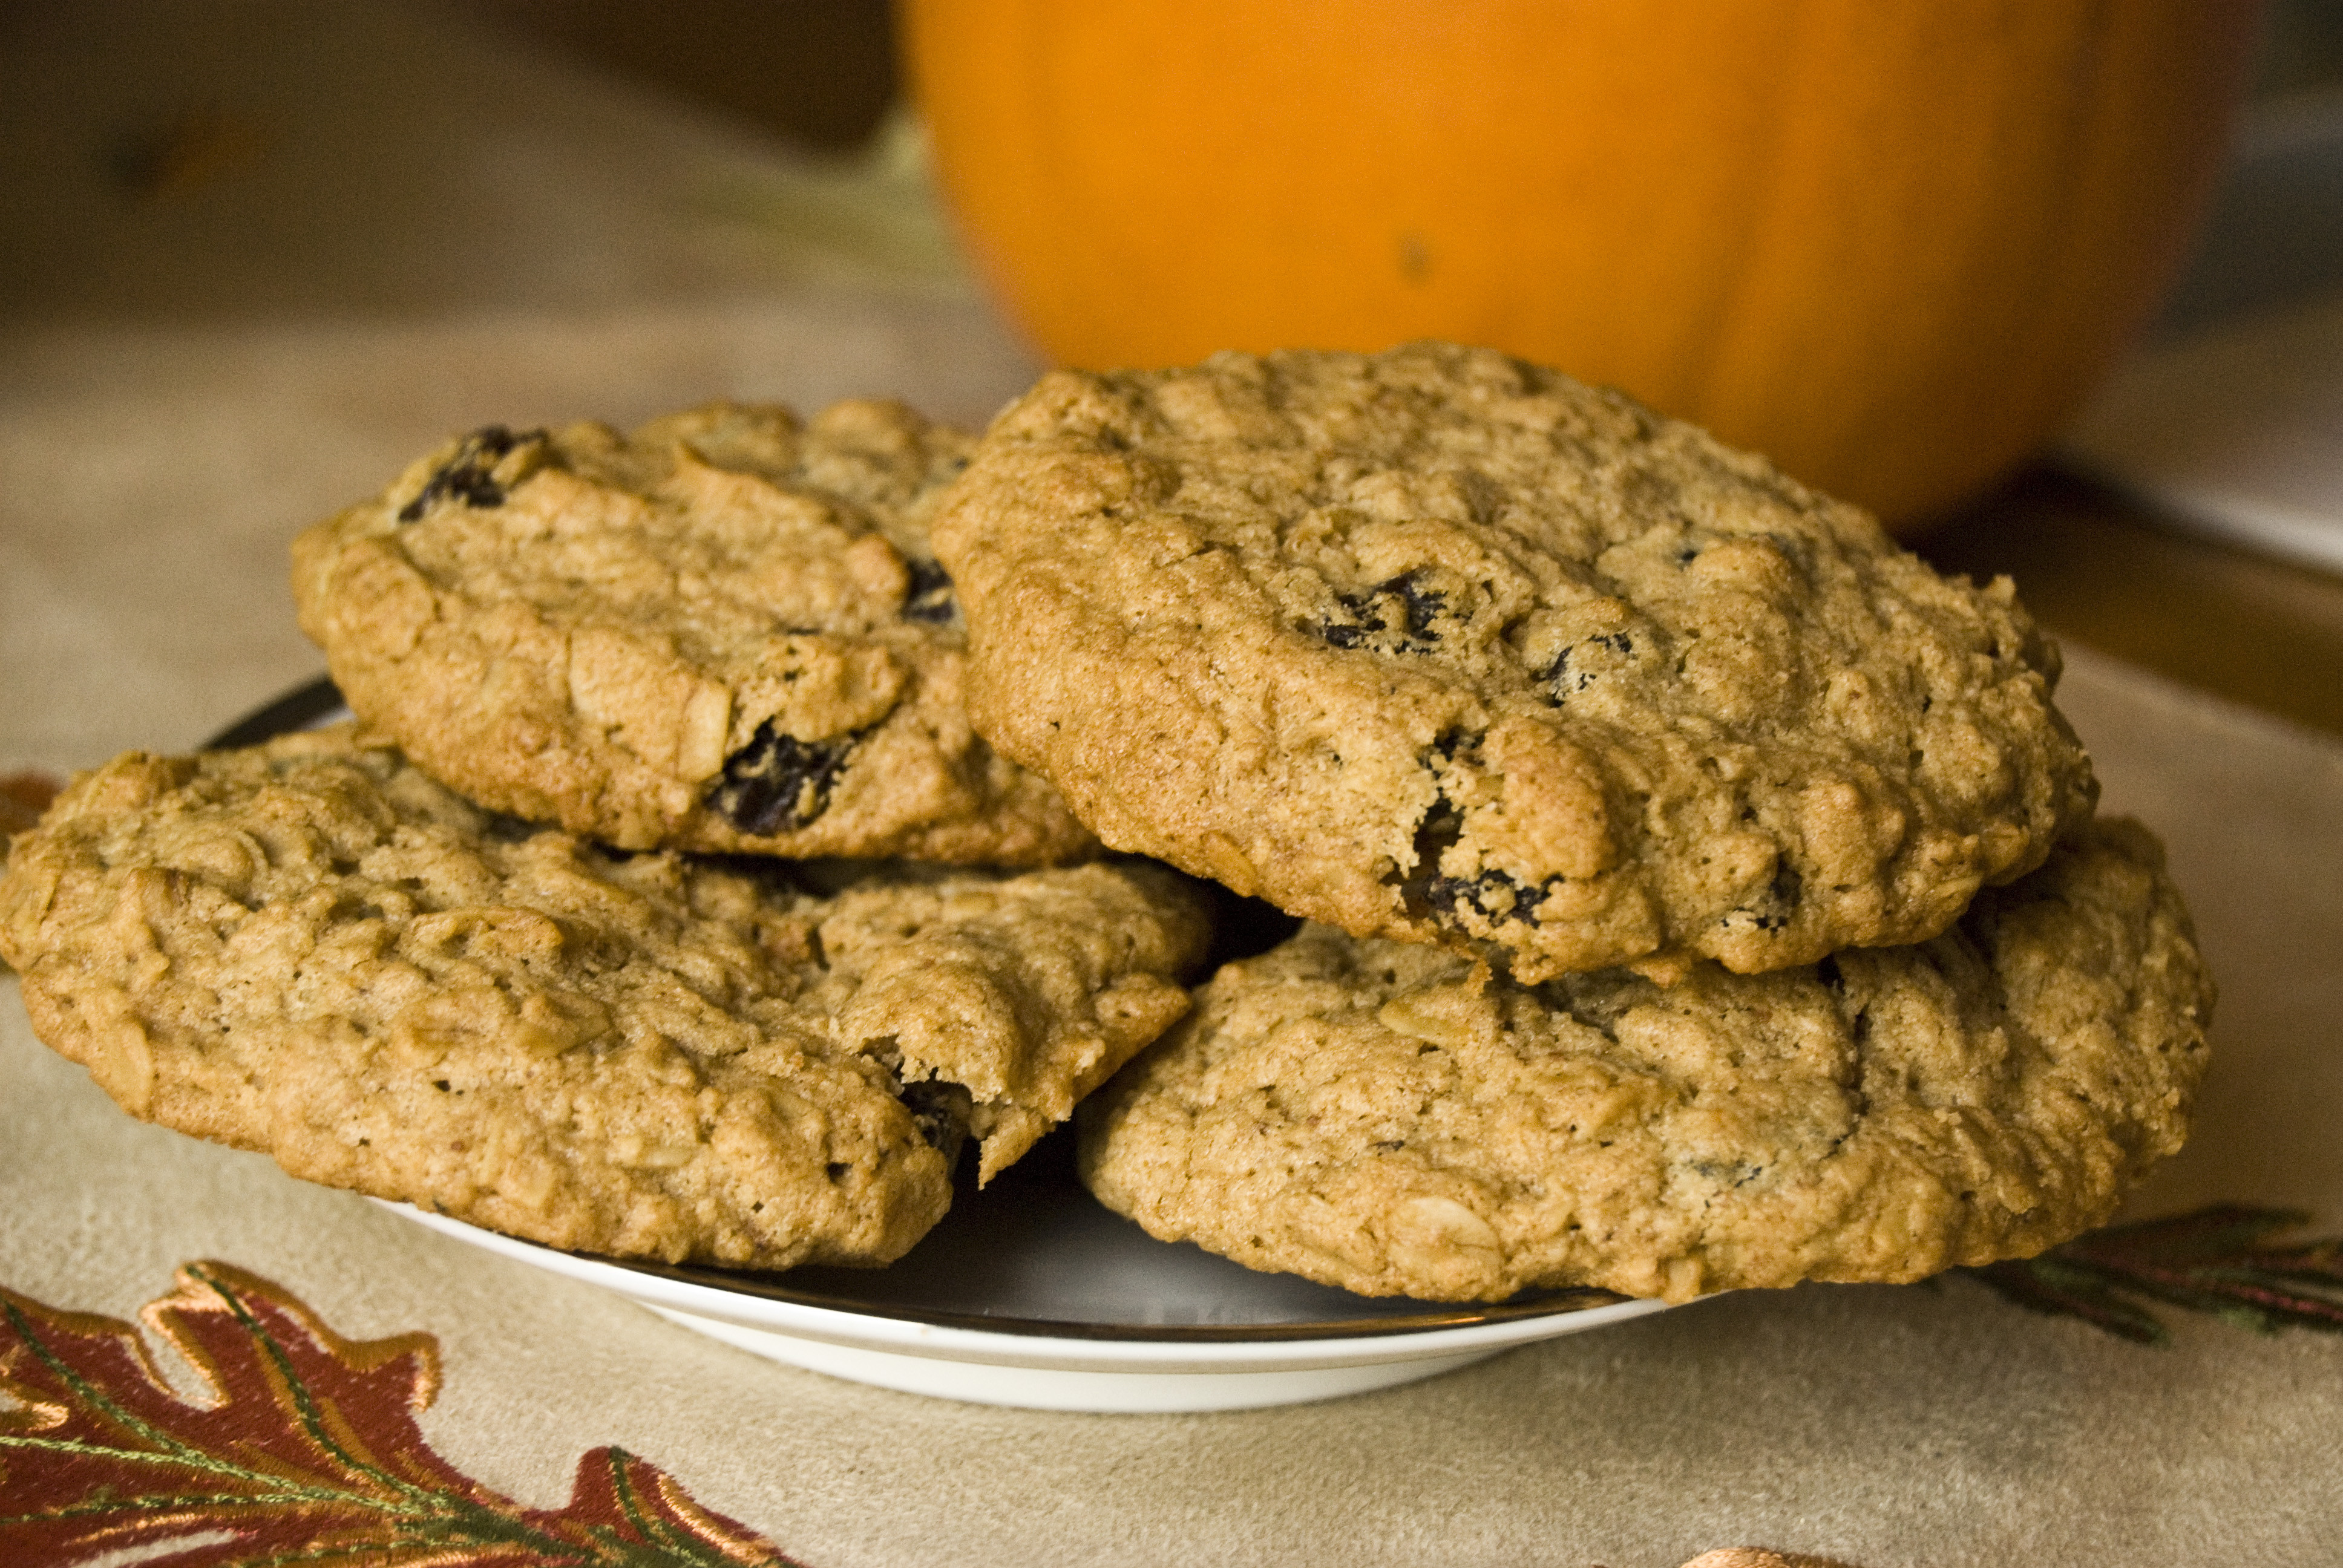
(306, 1453)
(2213, 1260)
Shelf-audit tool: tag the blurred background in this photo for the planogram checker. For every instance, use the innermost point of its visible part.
(256, 254)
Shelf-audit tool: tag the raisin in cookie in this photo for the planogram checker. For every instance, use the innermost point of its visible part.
(1386, 1117)
(723, 632)
(313, 950)
(1439, 646)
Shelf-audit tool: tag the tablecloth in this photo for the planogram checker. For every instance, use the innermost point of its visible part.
(152, 472)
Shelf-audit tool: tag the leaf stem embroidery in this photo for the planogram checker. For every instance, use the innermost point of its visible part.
(2215, 1260)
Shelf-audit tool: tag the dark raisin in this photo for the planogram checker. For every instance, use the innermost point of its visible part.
(1827, 971)
(469, 475)
(1423, 891)
(777, 782)
(1361, 621)
(1485, 895)
(1435, 835)
(929, 596)
(1449, 742)
(1396, 606)
(1562, 680)
(940, 1111)
(1418, 605)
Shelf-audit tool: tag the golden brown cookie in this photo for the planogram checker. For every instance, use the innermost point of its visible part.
(1386, 1117)
(723, 632)
(313, 950)
(1439, 646)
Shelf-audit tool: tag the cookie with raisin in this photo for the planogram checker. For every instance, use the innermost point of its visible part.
(313, 950)
(1438, 646)
(1390, 1118)
(722, 631)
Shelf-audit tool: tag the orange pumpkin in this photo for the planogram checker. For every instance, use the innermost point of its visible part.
(1889, 241)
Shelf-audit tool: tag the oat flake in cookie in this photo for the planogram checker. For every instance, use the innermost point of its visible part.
(313, 950)
(1439, 646)
(723, 632)
(1385, 1117)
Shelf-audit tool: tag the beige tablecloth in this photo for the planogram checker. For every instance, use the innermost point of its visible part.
(150, 478)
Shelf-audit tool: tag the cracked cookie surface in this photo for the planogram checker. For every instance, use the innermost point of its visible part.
(1386, 1117)
(722, 631)
(1439, 646)
(313, 950)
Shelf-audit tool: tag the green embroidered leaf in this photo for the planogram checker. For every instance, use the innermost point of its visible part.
(306, 1453)
(2216, 1260)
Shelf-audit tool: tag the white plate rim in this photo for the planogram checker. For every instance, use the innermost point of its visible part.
(901, 1336)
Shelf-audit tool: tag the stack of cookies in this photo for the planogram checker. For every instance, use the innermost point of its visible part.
(661, 903)
(1694, 890)
(1703, 891)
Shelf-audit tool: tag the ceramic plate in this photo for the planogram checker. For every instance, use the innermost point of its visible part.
(1029, 1294)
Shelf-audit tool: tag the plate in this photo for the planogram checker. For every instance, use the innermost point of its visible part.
(1029, 1294)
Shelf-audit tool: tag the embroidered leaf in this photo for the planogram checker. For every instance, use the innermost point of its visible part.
(2216, 1260)
(306, 1452)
